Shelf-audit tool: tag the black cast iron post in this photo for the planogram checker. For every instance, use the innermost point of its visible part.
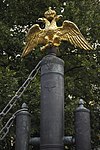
(52, 102)
(82, 128)
(22, 128)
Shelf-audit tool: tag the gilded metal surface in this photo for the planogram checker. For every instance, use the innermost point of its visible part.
(53, 35)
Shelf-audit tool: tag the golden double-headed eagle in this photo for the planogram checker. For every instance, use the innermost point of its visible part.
(53, 35)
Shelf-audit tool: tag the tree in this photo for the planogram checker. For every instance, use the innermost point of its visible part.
(82, 68)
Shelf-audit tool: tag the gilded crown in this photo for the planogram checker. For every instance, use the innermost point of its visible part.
(50, 14)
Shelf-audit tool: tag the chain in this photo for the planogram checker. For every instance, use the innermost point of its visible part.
(20, 91)
(6, 128)
(4, 131)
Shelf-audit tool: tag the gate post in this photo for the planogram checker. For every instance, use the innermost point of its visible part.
(22, 128)
(52, 102)
(82, 128)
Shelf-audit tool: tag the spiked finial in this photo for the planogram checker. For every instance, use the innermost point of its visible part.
(81, 106)
(24, 105)
(81, 103)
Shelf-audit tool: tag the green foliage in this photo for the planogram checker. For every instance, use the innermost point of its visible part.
(82, 68)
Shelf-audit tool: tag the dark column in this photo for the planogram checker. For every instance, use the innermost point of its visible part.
(82, 128)
(22, 128)
(52, 103)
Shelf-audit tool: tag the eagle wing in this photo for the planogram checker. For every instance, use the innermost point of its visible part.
(34, 37)
(70, 32)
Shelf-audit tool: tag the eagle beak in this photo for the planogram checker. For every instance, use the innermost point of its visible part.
(40, 19)
(60, 16)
